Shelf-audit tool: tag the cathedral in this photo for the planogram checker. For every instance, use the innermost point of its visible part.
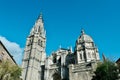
(64, 64)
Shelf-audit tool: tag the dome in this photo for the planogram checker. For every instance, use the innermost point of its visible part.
(85, 38)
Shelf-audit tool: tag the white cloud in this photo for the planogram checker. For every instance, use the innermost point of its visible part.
(14, 49)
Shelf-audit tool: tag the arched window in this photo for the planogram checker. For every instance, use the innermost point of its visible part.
(39, 42)
(39, 29)
(54, 58)
(81, 56)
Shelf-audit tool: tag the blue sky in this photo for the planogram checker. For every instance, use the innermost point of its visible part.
(63, 21)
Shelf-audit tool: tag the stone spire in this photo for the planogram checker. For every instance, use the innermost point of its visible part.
(40, 16)
(34, 55)
(38, 28)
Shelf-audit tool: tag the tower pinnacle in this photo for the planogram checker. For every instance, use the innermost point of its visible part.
(38, 27)
(40, 16)
(82, 31)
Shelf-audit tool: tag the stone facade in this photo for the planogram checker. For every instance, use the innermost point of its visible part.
(64, 64)
(5, 55)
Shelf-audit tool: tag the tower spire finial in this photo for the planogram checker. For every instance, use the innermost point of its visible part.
(40, 16)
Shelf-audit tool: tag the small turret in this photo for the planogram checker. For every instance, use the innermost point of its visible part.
(40, 17)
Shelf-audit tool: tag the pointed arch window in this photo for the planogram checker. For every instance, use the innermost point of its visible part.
(39, 29)
(81, 56)
(39, 42)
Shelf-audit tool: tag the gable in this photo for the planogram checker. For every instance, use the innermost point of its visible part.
(5, 55)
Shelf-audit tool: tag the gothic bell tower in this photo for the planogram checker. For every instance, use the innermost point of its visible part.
(34, 53)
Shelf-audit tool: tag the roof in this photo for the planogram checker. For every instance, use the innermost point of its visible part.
(118, 61)
(8, 52)
(85, 38)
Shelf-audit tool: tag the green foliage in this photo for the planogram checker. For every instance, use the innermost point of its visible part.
(106, 70)
(9, 71)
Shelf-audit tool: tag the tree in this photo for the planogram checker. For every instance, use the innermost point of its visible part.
(9, 71)
(106, 70)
